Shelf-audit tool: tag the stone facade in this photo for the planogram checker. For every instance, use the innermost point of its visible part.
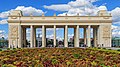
(101, 25)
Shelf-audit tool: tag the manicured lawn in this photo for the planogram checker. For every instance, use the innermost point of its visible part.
(60, 57)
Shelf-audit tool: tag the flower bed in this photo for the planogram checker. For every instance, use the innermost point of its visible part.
(60, 57)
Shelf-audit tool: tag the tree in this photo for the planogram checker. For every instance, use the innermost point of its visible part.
(3, 38)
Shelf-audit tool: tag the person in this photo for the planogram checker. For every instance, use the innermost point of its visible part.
(102, 45)
(85, 45)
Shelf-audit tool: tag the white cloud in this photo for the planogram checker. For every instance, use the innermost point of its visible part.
(116, 15)
(3, 34)
(60, 7)
(4, 14)
(80, 3)
(4, 21)
(50, 36)
(102, 8)
(83, 7)
(29, 10)
(114, 27)
(70, 35)
(115, 30)
(116, 22)
(26, 11)
(2, 31)
(59, 38)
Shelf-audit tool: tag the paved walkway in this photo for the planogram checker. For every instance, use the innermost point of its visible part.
(113, 48)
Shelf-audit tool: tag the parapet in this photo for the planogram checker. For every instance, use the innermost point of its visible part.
(16, 13)
(103, 13)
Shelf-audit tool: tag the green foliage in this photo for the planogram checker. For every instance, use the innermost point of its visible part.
(109, 49)
(60, 57)
(8, 48)
(104, 48)
(19, 48)
(76, 56)
(118, 50)
(64, 48)
(54, 61)
(94, 63)
(104, 65)
(8, 65)
(0, 49)
(43, 48)
(68, 63)
(99, 48)
(14, 48)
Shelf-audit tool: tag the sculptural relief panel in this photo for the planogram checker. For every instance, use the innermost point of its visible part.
(106, 31)
(13, 31)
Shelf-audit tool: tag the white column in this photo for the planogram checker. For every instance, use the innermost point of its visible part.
(85, 38)
(9, 38)
(31, 36)
(22, 36)
(54, 35)
(9, 46)
(95, 37)
(88, 36)
(43, 36)
(19, 36)
(77, 36)
(34, 37)
(99, 35)
(66, 36)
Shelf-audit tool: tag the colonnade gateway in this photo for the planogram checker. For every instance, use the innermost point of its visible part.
(101, 25)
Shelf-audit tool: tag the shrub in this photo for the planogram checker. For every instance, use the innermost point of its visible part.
(76, 56)
(8, 48)
(14, 48)
(104, 65)
(20, 48)
(109, 49)
(99, 48)
(104, 48)
(94, 63)
(8, 65)
(0, 49)
(54, 61)
(64, 48)
(68, 63)
(43, 48)
(118, 50)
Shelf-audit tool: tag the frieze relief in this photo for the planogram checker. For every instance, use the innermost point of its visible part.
(13, 31)
(106, 31)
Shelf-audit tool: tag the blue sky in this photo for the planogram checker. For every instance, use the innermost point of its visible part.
(60, 7)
